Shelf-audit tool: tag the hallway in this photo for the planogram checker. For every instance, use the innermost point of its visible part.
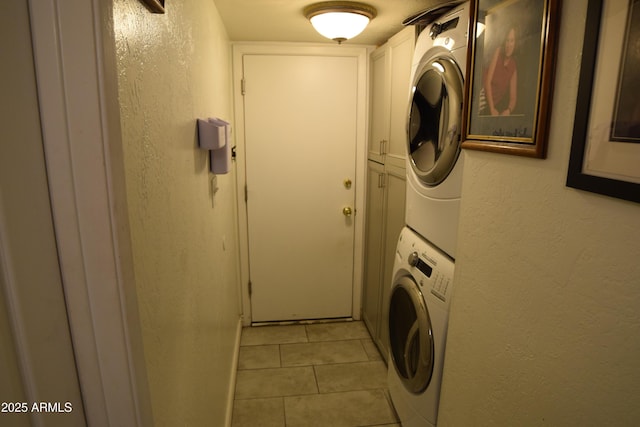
(323, 374)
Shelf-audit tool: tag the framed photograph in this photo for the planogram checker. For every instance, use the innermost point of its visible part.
(509, 82)
(155, 6)
(605, 150)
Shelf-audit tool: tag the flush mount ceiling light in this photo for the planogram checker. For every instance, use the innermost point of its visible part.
(339, 20)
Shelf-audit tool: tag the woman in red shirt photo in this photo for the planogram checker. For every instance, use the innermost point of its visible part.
(501, 79)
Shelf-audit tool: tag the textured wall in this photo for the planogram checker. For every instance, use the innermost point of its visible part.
(173, 69)
(545, 325)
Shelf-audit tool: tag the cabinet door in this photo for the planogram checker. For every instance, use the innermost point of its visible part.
(400, 56)
(379, 118)
(373, 247)
(395, 189)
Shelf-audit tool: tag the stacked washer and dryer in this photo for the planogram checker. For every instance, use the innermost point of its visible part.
(424, 264)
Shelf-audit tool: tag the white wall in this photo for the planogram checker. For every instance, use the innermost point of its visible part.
(545, 321)
(174, 68)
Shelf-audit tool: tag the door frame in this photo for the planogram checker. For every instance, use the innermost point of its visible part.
(76, 74)
(361, 53)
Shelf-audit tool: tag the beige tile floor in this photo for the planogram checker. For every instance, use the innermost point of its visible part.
(323, 374)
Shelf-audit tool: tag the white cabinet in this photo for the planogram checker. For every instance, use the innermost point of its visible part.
(374, 227)
(385, 219)
(379, 106)
(390, 74)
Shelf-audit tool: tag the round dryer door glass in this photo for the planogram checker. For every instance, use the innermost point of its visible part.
(434, 119)
(410, 335)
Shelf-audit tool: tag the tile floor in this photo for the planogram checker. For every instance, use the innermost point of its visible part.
(322, 374)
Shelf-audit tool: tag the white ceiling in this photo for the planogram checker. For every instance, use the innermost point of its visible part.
(283, 20)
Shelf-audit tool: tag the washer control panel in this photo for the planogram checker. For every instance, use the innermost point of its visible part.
(431, 269)
(417, 262)
(440, 286)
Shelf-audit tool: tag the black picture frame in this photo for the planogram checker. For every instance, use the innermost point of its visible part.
(520, 125)
(154, 6)
(581, 175)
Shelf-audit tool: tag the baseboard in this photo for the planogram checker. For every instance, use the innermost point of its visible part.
(234, 374)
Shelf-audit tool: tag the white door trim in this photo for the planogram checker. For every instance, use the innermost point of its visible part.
(74, 54)
(362, 54)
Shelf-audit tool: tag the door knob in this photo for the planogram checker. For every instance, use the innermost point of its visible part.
(346, 211)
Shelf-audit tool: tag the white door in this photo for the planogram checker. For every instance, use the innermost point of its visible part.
(300, 139)
(37, 361)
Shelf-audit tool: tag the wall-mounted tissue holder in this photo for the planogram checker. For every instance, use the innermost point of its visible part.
(214, 135)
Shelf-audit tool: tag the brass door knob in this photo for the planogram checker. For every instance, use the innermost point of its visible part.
(346, 211)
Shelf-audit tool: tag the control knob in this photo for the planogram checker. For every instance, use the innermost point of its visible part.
(413, 259)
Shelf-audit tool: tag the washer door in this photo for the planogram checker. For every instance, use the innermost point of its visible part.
(410, 335)
(434, 119)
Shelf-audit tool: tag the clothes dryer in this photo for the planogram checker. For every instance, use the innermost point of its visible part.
(434, 158)
(418, 318)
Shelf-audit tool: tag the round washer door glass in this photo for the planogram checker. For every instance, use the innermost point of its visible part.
(434, 119)
(410, 335)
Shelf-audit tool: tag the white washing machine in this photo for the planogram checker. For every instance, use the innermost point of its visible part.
(434, 158)
(418, 317)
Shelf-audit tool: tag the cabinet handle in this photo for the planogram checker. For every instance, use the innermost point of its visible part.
(381, 180)
(383, 146)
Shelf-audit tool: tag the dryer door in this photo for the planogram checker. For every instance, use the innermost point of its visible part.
(410, 335)
(434, 126)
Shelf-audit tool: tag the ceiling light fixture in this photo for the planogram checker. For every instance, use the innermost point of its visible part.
(339, 20)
